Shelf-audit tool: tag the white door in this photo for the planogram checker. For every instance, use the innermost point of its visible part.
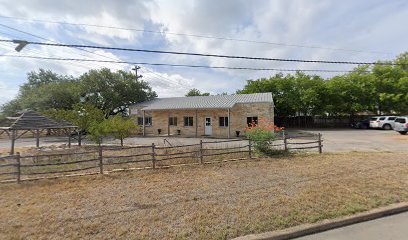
(207, 126)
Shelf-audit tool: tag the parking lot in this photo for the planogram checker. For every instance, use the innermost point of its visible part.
(346, 140)
(335, 140)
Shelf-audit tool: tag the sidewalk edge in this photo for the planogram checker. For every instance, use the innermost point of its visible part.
(308, 229)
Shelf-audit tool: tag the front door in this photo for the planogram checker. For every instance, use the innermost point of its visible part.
(208, 126)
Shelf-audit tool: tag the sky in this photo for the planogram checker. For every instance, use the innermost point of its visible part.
(366, 30)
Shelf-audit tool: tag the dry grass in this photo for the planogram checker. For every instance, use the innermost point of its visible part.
(214, 201)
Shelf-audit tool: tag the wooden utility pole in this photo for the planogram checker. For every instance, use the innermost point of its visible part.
(135, 68)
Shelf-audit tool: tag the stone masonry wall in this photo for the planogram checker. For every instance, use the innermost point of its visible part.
(238, 113)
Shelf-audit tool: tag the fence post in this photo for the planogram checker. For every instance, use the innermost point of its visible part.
(320, 143)
(285, 141)
(201, 152)
(153, 156)
(18, 167)
(100, 160)
(69, 141)
(250, 148)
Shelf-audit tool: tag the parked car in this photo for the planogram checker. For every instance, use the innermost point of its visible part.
(363, 124)
(383, 122)
(401, 125)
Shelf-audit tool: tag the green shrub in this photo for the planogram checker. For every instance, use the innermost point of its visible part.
(262, 135)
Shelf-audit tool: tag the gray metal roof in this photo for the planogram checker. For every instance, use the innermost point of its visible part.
(204, 102)
(29, 120)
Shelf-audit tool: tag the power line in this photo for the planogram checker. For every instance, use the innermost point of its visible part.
(36, 36)
(33, 51)
(194, 35)
(161, 77)
(202, 54)
(175, 65)
(40, 37)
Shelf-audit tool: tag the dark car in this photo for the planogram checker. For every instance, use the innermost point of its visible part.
(363, 124)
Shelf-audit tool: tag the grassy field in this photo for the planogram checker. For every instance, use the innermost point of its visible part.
(214, 201)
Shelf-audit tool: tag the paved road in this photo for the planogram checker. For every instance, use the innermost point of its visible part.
(389, 228)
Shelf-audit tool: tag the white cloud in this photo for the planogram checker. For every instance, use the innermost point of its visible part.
(167, 85)
(374, 25)
(7, 92)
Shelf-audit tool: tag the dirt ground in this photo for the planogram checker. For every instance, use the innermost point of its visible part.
(214, 201)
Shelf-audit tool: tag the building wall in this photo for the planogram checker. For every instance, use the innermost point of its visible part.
(238, 121)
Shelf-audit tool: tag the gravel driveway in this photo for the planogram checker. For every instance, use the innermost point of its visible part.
(346, 140)
(335, 140)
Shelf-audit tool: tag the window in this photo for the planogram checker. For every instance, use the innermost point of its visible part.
(400, 120)
(392, 118)
(173, 121)
(373, 119)
(251, 120)
(188, 121)
(223, 121)
(148, 121)
(140, 121)
(382, 118)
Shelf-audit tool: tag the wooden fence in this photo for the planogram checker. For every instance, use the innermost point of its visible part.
(318, 121)
(103, 159)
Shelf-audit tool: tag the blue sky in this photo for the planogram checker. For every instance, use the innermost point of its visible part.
(375, 27)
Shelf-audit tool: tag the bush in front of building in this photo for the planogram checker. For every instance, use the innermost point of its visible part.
(262, 134)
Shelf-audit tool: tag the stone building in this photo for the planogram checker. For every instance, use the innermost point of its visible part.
(218, 116)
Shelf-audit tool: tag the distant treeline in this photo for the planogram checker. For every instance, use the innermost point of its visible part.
(378, 89)
(110, 92)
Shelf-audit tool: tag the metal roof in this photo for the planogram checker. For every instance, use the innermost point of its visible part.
(29, 120)
(204, 102)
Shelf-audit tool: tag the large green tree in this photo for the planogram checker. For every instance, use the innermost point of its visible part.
(113, 92)
(378, 89)
(45, 90)
(294, 94)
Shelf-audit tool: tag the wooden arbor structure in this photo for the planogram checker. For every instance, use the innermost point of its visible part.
(32, 121)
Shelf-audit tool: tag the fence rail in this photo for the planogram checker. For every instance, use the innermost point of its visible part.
(107, 158)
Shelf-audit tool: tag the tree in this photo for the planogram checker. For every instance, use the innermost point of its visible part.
(195, 92)
(99, 130)
(45, 90)
(121, 127)
(294, 94)
(113, 92)
(85, 116)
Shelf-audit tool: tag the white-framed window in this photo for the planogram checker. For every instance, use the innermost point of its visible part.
(148, 121)
(223, 121)
(173, 121)
(188, 121)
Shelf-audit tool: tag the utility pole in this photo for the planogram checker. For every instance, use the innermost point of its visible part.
(135, 68)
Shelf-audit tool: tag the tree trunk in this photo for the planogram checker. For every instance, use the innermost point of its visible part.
(121, 141)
